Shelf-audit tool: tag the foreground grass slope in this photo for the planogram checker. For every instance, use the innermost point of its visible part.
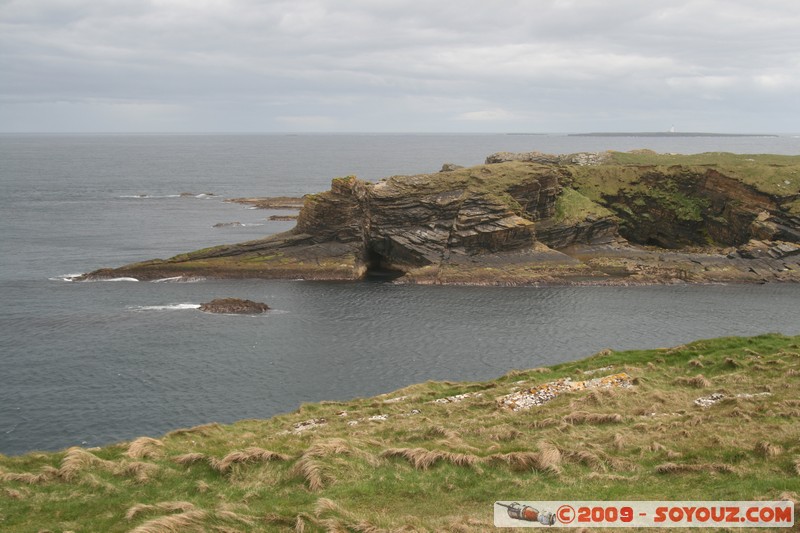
(435, 456)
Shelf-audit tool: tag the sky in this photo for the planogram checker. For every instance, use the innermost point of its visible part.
(730, 66)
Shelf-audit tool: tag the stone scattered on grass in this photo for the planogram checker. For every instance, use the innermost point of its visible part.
(527, 398)
(711, 399)
(457, 398)
(308, 424)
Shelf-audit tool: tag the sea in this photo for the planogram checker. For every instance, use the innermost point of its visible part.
(92, 363)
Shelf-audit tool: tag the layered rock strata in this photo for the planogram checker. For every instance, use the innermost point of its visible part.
(605, 218)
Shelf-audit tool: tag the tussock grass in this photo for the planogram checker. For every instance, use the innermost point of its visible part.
(423, 459)
(47, 474)
(14, 494)
(159, 508)
(187, 522)
(310, 469)
(78, 460)
(145, 448)
(429, 467)
(249, 455)
(190, 458)
(768, 450)
(593, 418)
(699, 381)
(546, 460)
(203, 429)
(142, 472)
(682, 468)
(585, 457)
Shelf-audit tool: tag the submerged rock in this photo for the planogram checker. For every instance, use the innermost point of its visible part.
(234, 306)
(228, 225)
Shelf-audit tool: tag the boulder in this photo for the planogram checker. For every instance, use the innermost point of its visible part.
(234, 306)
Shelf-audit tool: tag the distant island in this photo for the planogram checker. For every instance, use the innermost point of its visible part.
(666, 134)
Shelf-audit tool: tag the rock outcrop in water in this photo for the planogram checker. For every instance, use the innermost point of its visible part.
(234, 306)
(606, 218)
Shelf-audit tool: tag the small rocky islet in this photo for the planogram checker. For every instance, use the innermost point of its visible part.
(607, 218)
(236, 306)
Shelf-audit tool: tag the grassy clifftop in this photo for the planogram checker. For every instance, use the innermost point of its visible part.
(712, 420)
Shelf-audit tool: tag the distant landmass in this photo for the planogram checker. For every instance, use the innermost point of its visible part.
(666, 134)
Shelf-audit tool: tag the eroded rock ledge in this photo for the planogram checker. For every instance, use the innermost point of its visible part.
(604, 218)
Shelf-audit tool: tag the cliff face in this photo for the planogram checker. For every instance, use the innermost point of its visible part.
(528, 218)
(407, 222)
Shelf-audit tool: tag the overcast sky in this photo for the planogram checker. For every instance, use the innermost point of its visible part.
(399, 65)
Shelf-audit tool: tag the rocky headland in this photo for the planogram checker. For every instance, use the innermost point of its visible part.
(532, 218)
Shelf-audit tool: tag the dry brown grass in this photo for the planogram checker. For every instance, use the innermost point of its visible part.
(189, 458)
(145, 448)
(697, 363)
(160, 508)
(422, 459)
(142, 472)
(46, 474)
(678, 468)
(543, 423)
(797, 465)
(14, 494)
(607, 477)
(329, 447)
(585, 457)
(77, 460)
(187, 522)
(311, 470)
(203, 429)
(582, 417)
(547, 459)
(767, 450)
(248, 455)
(732, 363)
(699, 381)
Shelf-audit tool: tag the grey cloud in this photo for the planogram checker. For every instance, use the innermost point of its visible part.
(395, 65)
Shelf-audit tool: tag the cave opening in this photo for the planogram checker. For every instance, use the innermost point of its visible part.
(379, 268)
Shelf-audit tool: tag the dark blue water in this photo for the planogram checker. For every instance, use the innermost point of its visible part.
(92, 363)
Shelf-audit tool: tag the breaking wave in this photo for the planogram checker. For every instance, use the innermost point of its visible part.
(66, 277)
(149, 196)
(168, 307)
(179, 279)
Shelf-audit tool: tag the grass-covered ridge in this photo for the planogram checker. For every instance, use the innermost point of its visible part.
(435, 456)
(769, 173)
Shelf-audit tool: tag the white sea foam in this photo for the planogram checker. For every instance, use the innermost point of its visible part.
(179, 279)
(66, 277)
(168, 307)
(149, 196)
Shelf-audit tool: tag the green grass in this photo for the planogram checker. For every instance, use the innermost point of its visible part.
(440, 466)
(573, 207)
(769, 173)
